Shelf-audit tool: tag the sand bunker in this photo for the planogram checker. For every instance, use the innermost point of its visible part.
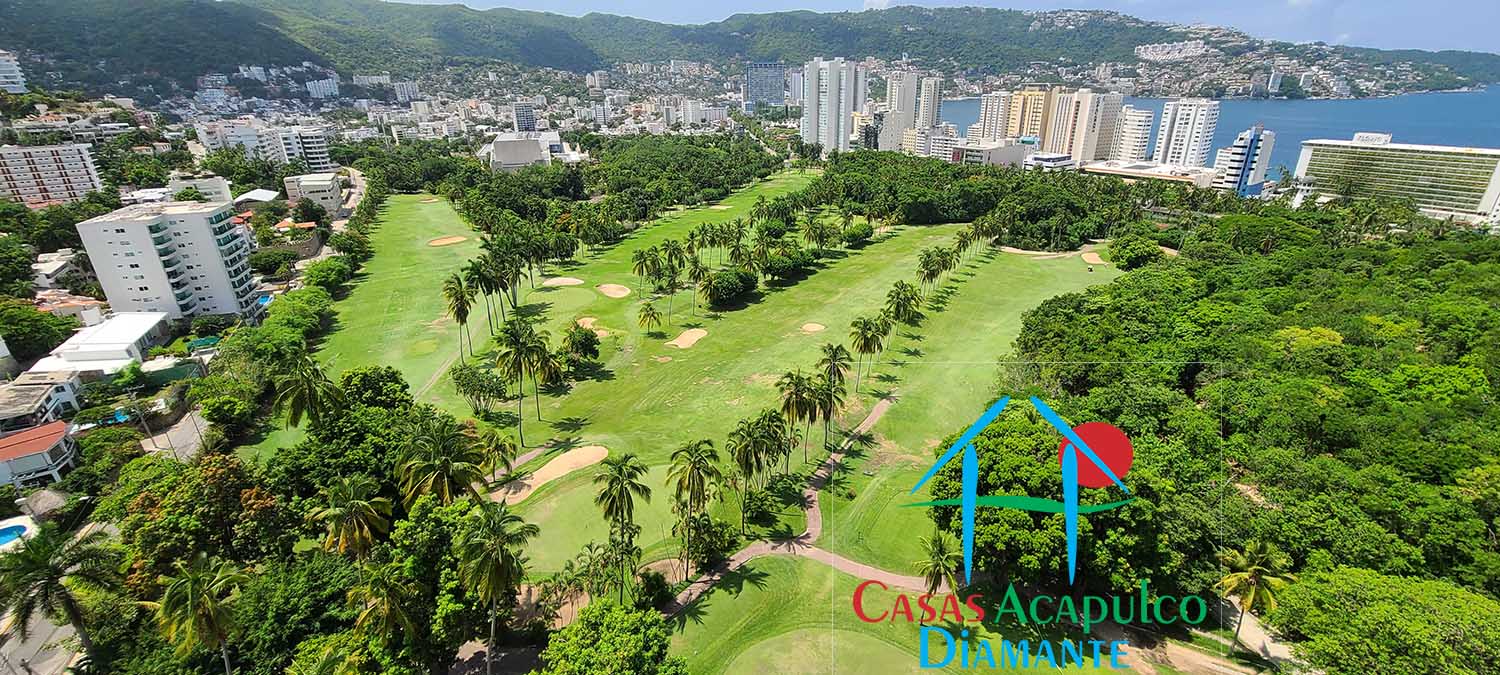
(1093, 258)
(1022, 251)
(813, 327)
(720, 207)
(562, 281)
(1170, 252)
(663, 359)
(447, 241)
(560, 466)
(588, 322)
(429, 200)
(688, 338)
(614, 290)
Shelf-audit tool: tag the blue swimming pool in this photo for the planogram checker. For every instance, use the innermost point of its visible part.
(12, 533)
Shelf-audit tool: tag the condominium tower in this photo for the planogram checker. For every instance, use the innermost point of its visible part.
(1186, 132)
(1030, 111)
(525, 115)
(279, 144)
(930, 103)
(39, 174)
(1441, 180)
(182, 258)
(829, 100)
(765, 85)
(1133, 134)
(994, 114)
(11, 78)
(1242, 166)
(1083, 125)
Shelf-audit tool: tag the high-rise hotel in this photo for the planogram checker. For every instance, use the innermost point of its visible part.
(832, 92)
(45, 174)
(182, 258)
(1186, 132)
(1443, 181)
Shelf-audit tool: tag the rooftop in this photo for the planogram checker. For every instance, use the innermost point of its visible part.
(258, 195)
(21, 399)
(32, 441)
(1372, 140)
(327, 177)
(152, 210)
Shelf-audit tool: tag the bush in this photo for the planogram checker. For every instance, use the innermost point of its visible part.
(271, 260)
(858, 233)
(329, 274)
(213, 324)
(233, 415)
(787, 265)
(729, 286)
(758, 505)
(1133, 250)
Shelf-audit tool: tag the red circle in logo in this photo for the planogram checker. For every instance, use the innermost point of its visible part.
(1112, 447)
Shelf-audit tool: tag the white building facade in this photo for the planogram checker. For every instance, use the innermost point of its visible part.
(994, 112)
(828, 103)
(1133, 134)
(12, 80)
(1186, 132)
(39, 174)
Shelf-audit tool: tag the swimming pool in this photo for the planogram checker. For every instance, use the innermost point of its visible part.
(12, 533)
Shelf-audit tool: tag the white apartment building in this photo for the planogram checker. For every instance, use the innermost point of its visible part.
(407, 91)
(1242, 166)
(994, 112)
(280, 144)
(213, 188)
(39, 174)
(180, 258)
(325, 88)
(372, 80)
(829, 103)
(930, 102)
(512, 151)
(1083, 124)
(1186, 132)
(1133, 134)
(12, 80)
(321, 188)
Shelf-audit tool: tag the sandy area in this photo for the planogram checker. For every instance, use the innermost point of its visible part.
(671, 568)
(1170, 252)
(614, 290)
(1022, 251)
(663, 359)
(526, 599)
(560, 466)
(563, 281)
(721, 207)
(1093, 258)
(688, 338)
(813, 327)
(588, 322)
(447, 241)
(429, 200)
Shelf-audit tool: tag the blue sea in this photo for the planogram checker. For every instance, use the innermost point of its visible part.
(1457, 118)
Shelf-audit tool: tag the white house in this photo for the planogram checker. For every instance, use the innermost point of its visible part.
(105, 348)
(36, 454)
(36, 398)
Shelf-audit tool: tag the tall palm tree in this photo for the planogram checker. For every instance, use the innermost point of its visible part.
(196, 609)
(904, 301)
(830, 399)
(799, 402)
(649, 317)
(619, 482)
(643, 263)
(353, 514)
(479, 277)
(834, 366)
(46, 572)
(547, 367)
(698, 274)
(866, 336)
(490, 560)
(1255, 575)
(517, 358)
(460, 299)
(381, 598)
(939, 558)
(440, 459)
(304, 391)
(695, 477)
(500, 450)
(743, 450)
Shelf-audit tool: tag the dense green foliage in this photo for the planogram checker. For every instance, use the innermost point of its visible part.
(607, 638)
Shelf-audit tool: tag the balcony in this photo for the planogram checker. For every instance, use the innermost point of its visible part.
(157, 228)
(166, 251)
(188, 306)
(219, 230)
(161, 239)
(171, 263)
(182, 295)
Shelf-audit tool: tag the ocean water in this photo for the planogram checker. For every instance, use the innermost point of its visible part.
(1457, 118)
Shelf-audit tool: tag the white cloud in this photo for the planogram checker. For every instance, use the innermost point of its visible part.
(877, 4)
(1300, 3)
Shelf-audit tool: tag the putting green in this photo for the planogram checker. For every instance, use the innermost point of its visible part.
(812, 650)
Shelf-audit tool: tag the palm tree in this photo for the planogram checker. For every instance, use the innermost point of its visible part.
(1255, 575)
(866, 335)
(698, 274)
(830, 398)
(197, 608)
(649, 317)
(834, 366)
(500, 450)
(480, 278)
(940, 558)
(353, 515)
(799, 402)
(440, 459)
(304, 391)
(460, 299)
(520, 353)
(381, 598)
(46, 572)
(547, 367)
(743, 450)
(903, 302)
(619, 486)
(490, 560)
(643, 263)
(695, 477)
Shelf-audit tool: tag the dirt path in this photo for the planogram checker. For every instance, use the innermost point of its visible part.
(802, 545)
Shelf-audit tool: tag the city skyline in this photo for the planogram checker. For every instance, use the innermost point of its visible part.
(1384, 24)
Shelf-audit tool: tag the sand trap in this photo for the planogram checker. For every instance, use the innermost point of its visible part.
(688, 338)
(1022, 251)
(563, 281)
(447, 241)
(429, 200)
(587, 321)
(1093, 258)
(813, 327)
(614, 290)
(720, 207)
(663, 359)
(560, 466)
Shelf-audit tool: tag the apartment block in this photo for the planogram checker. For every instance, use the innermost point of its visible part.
(1443, 181)
(42, 174)
(179, 258)
(280, 144)
(1186, 132)
(12, 80)
(1133, 134)
(321, 188)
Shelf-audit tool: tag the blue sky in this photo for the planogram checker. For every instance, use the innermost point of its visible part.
(1392, 24)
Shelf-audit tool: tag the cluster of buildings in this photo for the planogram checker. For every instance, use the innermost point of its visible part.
(12, 80)
(281, 144)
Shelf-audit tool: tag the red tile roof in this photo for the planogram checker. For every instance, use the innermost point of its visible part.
(32, 441)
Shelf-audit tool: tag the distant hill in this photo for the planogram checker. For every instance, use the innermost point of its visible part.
(94, 41)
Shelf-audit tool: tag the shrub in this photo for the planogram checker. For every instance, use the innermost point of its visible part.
(271, 260)
(329, 274)
(1133, 250)
(857, 233)
(729, 286)
(213, 324)
(231, 414)
(653, 592)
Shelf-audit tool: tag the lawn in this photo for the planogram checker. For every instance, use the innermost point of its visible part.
(394, 314)
(943, 374)
(752, 623)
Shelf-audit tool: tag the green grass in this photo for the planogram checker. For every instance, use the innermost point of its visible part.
(943, 373)
(754, 622)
